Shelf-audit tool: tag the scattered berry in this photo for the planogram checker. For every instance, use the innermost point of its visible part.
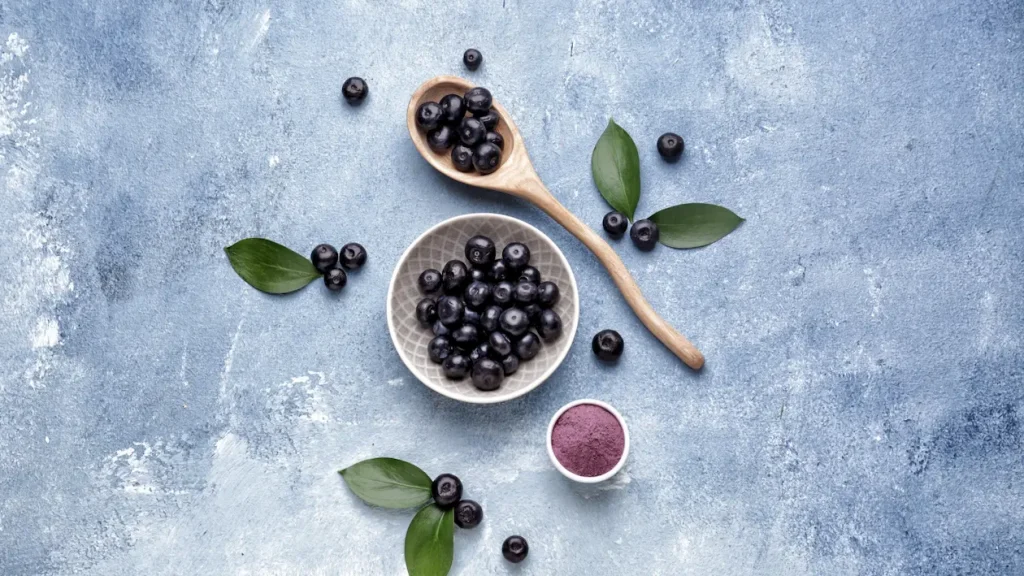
(515, 549)
(355, 90)
(335, 279)
(472, 58)
(615, 224)
(446, 490)
(353, 256)
(608, 345)
(468, 514)
(644, 235)
(430, 281)
(670, 146)
(324, 257)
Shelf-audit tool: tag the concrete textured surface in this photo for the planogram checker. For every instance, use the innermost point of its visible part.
(861, 409)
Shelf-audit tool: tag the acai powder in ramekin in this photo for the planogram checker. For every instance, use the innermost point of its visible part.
(588, 440)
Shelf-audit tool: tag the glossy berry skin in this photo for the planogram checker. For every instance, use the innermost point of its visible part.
(462, 158)
(489, 118)
(428, 115)
(514, 322)
(547, 294)
(607, 345)
(499, 271)
(509, 364)
(454, 277)
(481, 351)
(480, 250)
(430, 280)
(353, 256)
(487, 374)
(439, 329)
(533, 312)
(496, 139)
(324, 257)
(426, 312)
(453, 109)
(516, 255)
(472, 131)
(478, 100)
(472, 58)
(615, 224)
(456, 366)
(529, 274)
(528, 346)
(442, 138)
(500, 345)
(477, 295)
(549, 325)
(526, 292)
(335, 279)
(354, 90)
(439, 348)
(471, 317)
(466, 336)
(468, 514)
(503, 293)
(446, 490)
(478, 275)
(515, 549)
(489, 318)
(486, 158)
(670, 146)
(450, 311)
(644, 235)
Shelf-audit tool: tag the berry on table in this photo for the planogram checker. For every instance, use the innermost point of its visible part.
(324, 257)
(354, 90)
(515, 549)
(486, 158)
(462, 158)
(487, 374)
(430, 280)
(456, 366)
(353, 256)
(528, 346)
(480, 250)
(439, 348)
(547, 294)
(644, 235)
(468, 514)
(670, 146)
(615, 224)
(472, 58)
(428, 115)
(426, 312)
(446, 490)
(453, 109)
(335, 279)
(607, 345)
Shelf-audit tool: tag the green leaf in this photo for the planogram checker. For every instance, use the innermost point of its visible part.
(615, 164)
(694, 225)
(429, 546)
(269, 267)
(388, 483)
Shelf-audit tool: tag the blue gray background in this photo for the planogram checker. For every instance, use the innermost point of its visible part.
(861, 409)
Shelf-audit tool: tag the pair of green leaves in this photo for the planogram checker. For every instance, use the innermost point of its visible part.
(393, 483)
(615, 165)
(270, 267)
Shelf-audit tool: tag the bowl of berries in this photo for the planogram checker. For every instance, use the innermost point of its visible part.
(482, 308)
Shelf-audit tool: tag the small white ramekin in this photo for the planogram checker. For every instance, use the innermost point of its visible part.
(588, 479)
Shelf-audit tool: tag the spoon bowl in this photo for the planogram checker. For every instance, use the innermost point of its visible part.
(517, 176)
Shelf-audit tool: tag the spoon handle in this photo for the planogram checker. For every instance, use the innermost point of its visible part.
(661, 329)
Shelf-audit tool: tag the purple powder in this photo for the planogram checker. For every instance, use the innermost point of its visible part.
(588, 440)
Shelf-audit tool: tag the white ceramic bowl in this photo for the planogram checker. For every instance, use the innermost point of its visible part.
(446, 241)
(588, 479)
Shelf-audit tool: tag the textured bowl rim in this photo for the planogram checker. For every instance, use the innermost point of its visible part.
(570, 334)
(588, 479)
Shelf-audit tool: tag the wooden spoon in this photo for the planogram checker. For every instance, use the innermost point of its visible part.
(517, 176)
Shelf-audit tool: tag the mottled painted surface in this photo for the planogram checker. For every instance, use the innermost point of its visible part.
(861, 410)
